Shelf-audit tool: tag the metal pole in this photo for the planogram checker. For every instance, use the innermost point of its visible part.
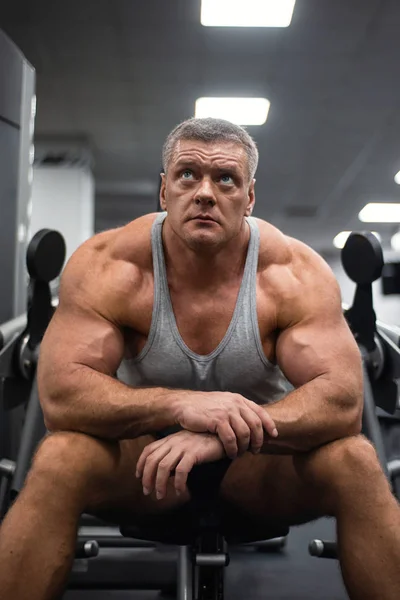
(371, 427)
(185, 586)
(33, 431)
(11, 328)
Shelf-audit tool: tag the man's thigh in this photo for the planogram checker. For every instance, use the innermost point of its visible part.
(262, 490)
(121, 500)
(267, 489)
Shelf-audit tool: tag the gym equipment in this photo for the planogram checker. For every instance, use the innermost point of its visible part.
(203, 549)
(11, 406)
(10, 329)
(391, 278)
(186, 556)
(18, 360)
(362, 260)
(19, 355)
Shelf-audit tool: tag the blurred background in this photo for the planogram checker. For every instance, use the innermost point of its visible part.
(113, 77)
(89, 90)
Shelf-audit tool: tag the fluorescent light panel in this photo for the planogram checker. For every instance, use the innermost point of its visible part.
(397, 178)
(242, 111)
(247, 13)
(341, 238)
(380, 212)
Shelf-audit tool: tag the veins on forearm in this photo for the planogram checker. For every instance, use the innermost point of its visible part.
(314, 414)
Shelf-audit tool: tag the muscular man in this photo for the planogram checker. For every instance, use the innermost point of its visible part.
(205, 313)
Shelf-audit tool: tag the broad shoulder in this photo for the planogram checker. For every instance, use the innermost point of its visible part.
(109, 266)
(293, 273)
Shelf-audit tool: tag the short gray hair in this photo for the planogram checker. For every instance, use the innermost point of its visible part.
(211, 130)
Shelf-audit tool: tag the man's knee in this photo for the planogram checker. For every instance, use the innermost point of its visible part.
(343, 461)
(74, 458)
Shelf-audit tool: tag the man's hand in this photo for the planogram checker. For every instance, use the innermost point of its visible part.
(178, 452)
(239, 423)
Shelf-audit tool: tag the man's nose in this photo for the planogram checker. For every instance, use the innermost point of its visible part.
(205, 193)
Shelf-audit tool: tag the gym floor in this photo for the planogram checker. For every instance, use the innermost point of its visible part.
(290, 575)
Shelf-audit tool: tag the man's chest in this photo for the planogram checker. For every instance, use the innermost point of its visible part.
(202, 319)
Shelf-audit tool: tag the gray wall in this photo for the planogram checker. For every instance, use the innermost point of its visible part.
(111, 210)
(63, 199)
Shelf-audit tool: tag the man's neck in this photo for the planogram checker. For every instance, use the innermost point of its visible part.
(205, 269)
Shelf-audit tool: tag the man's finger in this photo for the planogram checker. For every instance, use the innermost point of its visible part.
(242, 432)
(266, 420)
(256, 429)
(182, 471)
(228, 439)
(151, 466)
(164, 469)
(149, 449)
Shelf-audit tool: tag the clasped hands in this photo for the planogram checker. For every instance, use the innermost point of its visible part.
(215, 425)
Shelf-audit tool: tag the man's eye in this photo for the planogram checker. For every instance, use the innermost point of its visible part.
(226, 179)
(187, 174)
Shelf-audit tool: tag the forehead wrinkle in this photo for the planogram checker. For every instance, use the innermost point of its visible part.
(206, 148)
(220, 159)
(215, 164)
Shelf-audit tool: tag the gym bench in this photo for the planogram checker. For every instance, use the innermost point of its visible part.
(203, 546)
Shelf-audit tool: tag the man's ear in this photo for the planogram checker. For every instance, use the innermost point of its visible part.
(251, 199)
(163, 201)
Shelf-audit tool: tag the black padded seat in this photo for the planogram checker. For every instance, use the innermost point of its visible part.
(181, 529)
(204, 513)
(185, 527)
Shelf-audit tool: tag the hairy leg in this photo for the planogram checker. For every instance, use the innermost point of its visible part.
(342, 479)
(71, 473)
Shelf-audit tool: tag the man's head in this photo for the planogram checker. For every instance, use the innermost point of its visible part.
(209, 167)
(209, 131)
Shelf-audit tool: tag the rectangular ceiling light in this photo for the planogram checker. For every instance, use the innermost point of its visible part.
(242, 111)
(380, 212)
(247, 13)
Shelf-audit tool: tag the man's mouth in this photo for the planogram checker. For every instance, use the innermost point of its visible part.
(204, 218)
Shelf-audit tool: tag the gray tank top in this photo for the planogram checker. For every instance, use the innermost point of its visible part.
(237, 365)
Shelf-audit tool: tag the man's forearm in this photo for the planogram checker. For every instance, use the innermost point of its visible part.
(93, 403)
(312, 415)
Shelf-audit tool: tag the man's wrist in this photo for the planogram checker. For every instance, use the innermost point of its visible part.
(171, 403)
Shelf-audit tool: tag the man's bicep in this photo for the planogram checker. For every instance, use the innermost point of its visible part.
(79, 334)
(82, 337)
(315, 340)
(317, 347)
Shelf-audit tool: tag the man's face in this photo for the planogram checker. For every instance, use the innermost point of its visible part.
(207, 192)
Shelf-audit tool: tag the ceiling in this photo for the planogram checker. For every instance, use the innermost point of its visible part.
(120, 74)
